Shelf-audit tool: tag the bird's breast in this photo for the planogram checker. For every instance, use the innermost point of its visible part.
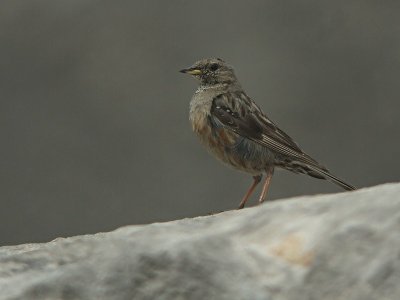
(224, 144)
(229, 147)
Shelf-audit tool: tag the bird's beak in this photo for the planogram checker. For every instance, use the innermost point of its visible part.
(191, 71)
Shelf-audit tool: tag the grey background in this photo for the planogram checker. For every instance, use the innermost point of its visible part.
(94, 115)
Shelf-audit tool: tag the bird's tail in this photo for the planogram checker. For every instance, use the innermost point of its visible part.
(326, 175)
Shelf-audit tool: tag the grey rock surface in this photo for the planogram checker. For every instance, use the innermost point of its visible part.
(339, 246)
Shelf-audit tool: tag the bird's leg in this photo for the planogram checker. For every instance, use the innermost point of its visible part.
(269, 173)
(246, 197)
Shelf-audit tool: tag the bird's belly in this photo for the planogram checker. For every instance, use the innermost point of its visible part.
(232, 149)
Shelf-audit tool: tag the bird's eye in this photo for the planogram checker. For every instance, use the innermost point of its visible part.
(214, 67)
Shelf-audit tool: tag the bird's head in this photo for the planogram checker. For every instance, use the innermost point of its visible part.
(211, 71)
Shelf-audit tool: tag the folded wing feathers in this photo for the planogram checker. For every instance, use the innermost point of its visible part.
(254, 125)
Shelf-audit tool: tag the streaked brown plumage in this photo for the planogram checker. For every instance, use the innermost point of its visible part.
(235, 130)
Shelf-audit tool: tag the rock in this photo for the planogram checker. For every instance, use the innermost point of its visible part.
(341, 246)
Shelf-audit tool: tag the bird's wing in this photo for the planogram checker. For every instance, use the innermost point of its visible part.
(237, 112)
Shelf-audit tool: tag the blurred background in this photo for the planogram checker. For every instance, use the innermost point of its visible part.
(94, 114)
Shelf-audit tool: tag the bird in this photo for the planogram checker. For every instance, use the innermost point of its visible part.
(236, 131)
